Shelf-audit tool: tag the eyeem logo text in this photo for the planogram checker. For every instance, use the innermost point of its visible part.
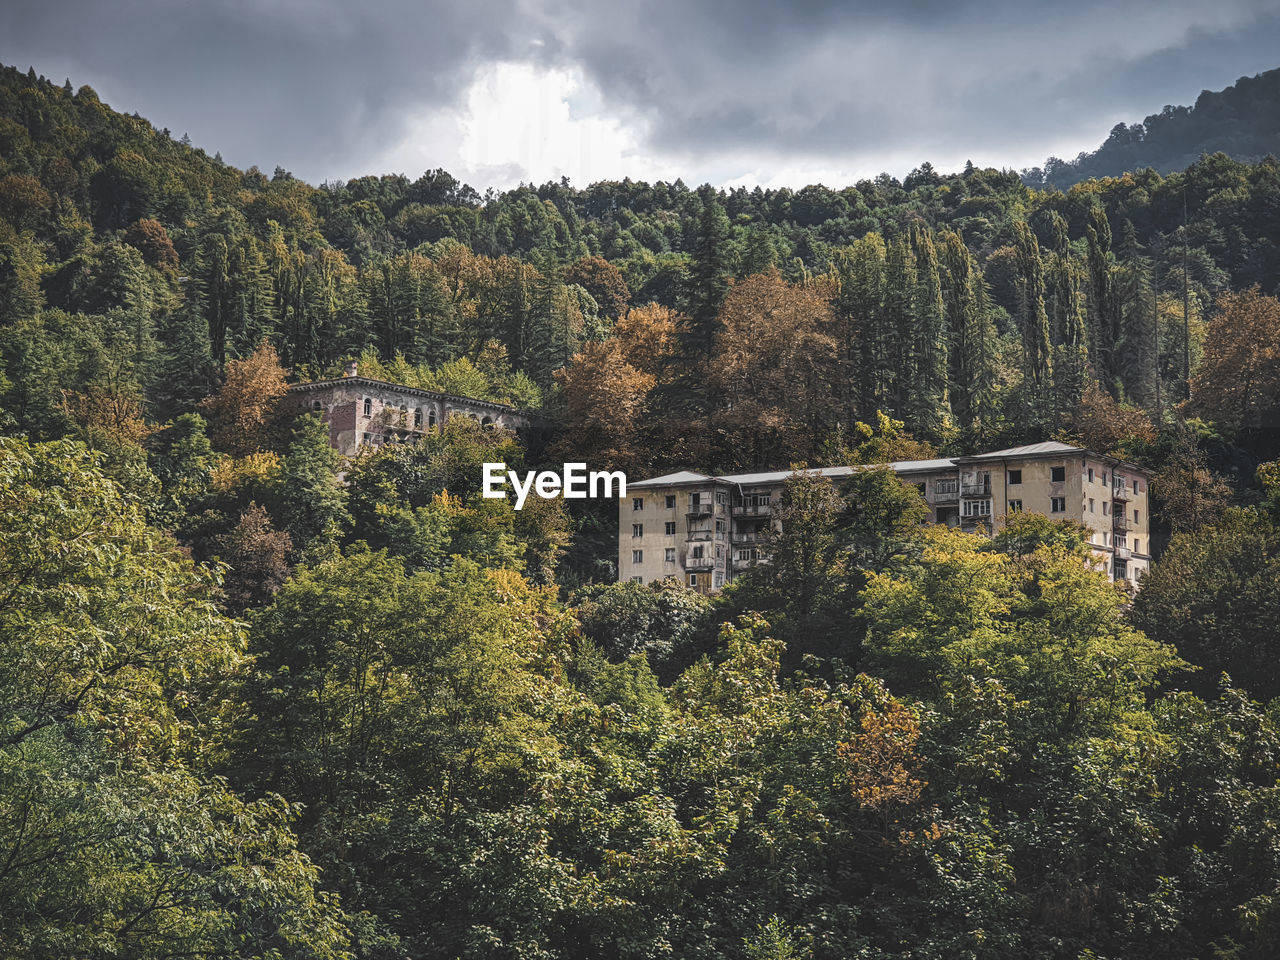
(572, 483)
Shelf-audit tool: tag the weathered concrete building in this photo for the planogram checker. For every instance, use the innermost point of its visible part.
(706, 529)
(369, 413)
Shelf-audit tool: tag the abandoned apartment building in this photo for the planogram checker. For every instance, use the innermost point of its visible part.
(365, 413)
(707, 529)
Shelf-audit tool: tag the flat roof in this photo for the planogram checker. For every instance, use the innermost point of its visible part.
(1049, 448)
(673, 479)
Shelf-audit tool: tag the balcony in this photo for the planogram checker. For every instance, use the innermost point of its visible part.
(699, 510)
(1123, 553)
(976, 489)
(739, 536)
(1120, 491)
(751, 509)
(1119, 522)
(699, 563)
(946, 492)
(698, 536)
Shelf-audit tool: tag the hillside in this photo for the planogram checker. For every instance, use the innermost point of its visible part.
(1242, 121)
(258, 699)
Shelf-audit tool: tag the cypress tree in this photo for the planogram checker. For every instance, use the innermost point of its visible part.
(928, 405)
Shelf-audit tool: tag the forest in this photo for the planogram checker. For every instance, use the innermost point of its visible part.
(260, 701)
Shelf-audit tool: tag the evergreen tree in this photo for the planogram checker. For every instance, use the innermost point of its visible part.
(929, 409)
(972, 353)
(900, 283)
(1033, 325)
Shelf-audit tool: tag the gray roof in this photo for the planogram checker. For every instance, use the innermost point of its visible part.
(671, 479)
(777, 476)
(1046, 449)
(921, 466)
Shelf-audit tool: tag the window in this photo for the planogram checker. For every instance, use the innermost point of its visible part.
(1104, 539)
(1135, 486)
(1015, 506)
(637, 503)
(637, 529)
(693, 579)
(637, 579)
(1057, 474)
(1136, 516)
(669, 528)
(1091, 510)
(1015, 476)
(1137, 546)
(719, 552)
(722, 498)
(670, 555)
(315, 406)
(977, 508)
(719, 579)
(1091, 474)
(1057, 504)
(671, 501)
(417, 417)
(1104, 479)
(1106, 509)
(431, 418)
(695, 499)
(368, 407)
(637, 556)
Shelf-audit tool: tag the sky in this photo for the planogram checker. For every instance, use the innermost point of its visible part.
(730, 92)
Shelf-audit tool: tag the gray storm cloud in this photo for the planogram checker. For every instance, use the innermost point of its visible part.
(322, 88)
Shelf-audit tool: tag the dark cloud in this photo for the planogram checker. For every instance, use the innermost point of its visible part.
(730, 86)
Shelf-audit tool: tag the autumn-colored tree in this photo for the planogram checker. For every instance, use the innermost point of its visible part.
(1101, 424)
(605, 398)
(1238, 382)
(255, 552)
(649, 337)
(603, 281)
(771, 370)
(246, 410)
(151, 239)
(1193, 496)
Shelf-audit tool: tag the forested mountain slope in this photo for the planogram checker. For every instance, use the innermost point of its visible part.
(1242, 121)
(257, 700)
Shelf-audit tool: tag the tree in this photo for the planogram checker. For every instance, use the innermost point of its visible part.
(256, 554)
(603, 281)
(1238, 382)
(246, 412)
(309, 496)
(771, 370)
(111, 647)
(1215, 595)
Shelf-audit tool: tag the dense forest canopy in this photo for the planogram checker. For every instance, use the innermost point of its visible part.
(257, 700)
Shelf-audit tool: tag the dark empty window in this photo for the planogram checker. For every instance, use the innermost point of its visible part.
(368, 407)
(1057, 474)
(671, 501)
(1015, 476)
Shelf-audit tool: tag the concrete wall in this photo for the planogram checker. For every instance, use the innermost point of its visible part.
(394, 414)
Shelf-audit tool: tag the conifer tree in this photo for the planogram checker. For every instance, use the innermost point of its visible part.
(929, 406)
(971, 357)
(899, 320)
(1033, 325)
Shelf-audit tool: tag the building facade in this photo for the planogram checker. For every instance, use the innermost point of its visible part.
(707, 529)
(369, 413)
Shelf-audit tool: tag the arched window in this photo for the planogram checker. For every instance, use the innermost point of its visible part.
(315, 406)
(368, 407)
(417, 417)
(431, 418)
(487, 422)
